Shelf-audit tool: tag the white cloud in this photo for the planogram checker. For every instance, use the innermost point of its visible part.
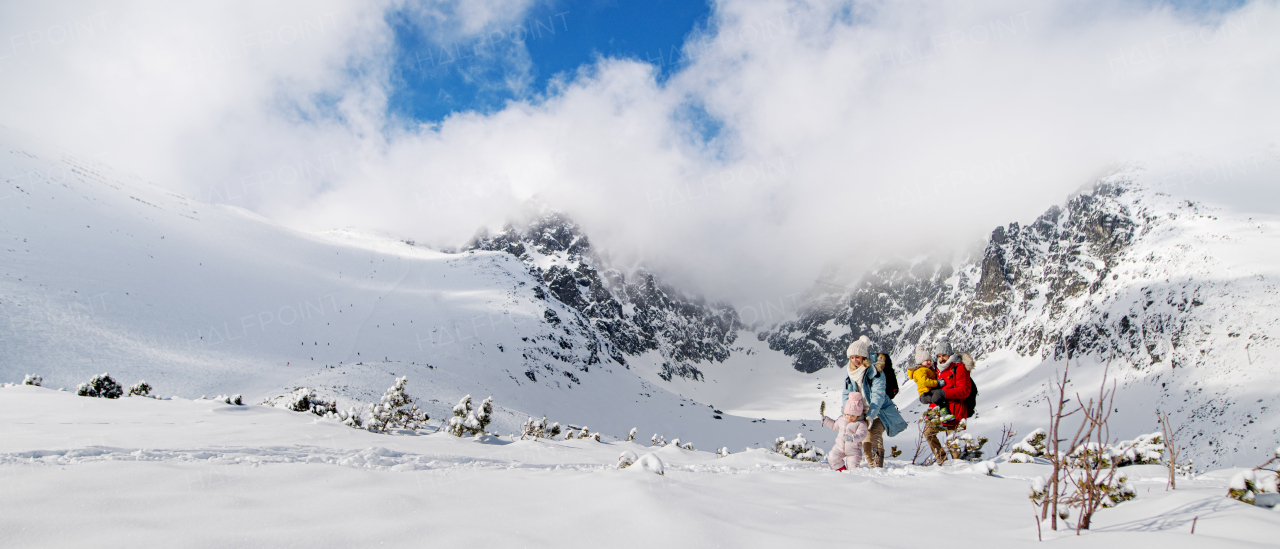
(849, 131)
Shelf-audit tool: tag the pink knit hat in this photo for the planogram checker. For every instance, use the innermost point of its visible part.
(854, 406)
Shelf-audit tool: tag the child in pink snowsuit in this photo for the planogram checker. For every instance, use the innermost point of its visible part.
(850, 432)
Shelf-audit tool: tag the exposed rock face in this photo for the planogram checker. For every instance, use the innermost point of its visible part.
(1177, 301)
(1010, 295)
(636, 315)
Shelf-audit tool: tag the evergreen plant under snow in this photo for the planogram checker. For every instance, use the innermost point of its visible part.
(100, 387)
(396, 410)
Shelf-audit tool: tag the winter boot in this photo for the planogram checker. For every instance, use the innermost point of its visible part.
(879, 457)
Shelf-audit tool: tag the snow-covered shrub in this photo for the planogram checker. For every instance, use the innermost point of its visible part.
(1246, 486)
(1031, 447)
(1117, 491)
(351, 418)
(537, 428)
(233, 400)
(685, 445)
(1021, 458)
(1039, 490)
(141, 388)
(650, 463)
(626, 459)
(632, 435)
(723, 452)
(962, 445)
(657, 440)
(1147, 449)
(32, 379)
(799, 448)
(304, 399)
(470, 422)
(986, 467)
(582, 434)
(100, 387)
(936, 417)
(396, 410)
(1090, 454)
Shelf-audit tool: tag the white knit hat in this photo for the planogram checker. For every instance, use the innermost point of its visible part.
(942, 347)
(922, 354)
(859, 347)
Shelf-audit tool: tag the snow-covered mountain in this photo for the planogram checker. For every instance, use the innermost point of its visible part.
(1180, 297)
(102, 272)
(636, 316)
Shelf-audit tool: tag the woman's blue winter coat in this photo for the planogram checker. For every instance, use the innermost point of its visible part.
(878, 403)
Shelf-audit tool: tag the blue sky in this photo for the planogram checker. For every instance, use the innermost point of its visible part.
(437, 77)
(470, 73)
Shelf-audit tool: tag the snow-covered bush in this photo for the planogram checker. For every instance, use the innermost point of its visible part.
(1246, 486)
(988, 468)
(647, 462)
(650, 463)
(799, 448)
(141, 388)
(1039, 490)
(1031, 447)
(100, 387)
(537, 428)
(723, 451)
(582, 434)
(685, 445)
(1117, 491)
(936, 417)
(1249, 486)
(1147, 449)
(632, 435)
(963, 446)
(1113, 489)
(657, 440)
(304, 399)
(32, 379)
(396, 410)
(1090, 454)
(233, 400)
(351, 418)
(470, 422)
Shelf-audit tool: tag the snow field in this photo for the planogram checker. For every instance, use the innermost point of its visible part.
(137, 472)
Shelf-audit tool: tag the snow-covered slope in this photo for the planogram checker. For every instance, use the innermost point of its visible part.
(100, 272)
(1180, 297)
(141, 472)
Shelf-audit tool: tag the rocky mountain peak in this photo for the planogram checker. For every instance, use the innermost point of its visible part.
(635, 311)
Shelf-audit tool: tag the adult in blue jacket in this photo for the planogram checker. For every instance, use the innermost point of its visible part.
(882, 414)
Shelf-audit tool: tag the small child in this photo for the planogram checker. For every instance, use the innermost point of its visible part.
(850, 432)
(926, 377)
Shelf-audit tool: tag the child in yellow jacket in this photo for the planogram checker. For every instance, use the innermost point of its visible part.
(926, 377)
